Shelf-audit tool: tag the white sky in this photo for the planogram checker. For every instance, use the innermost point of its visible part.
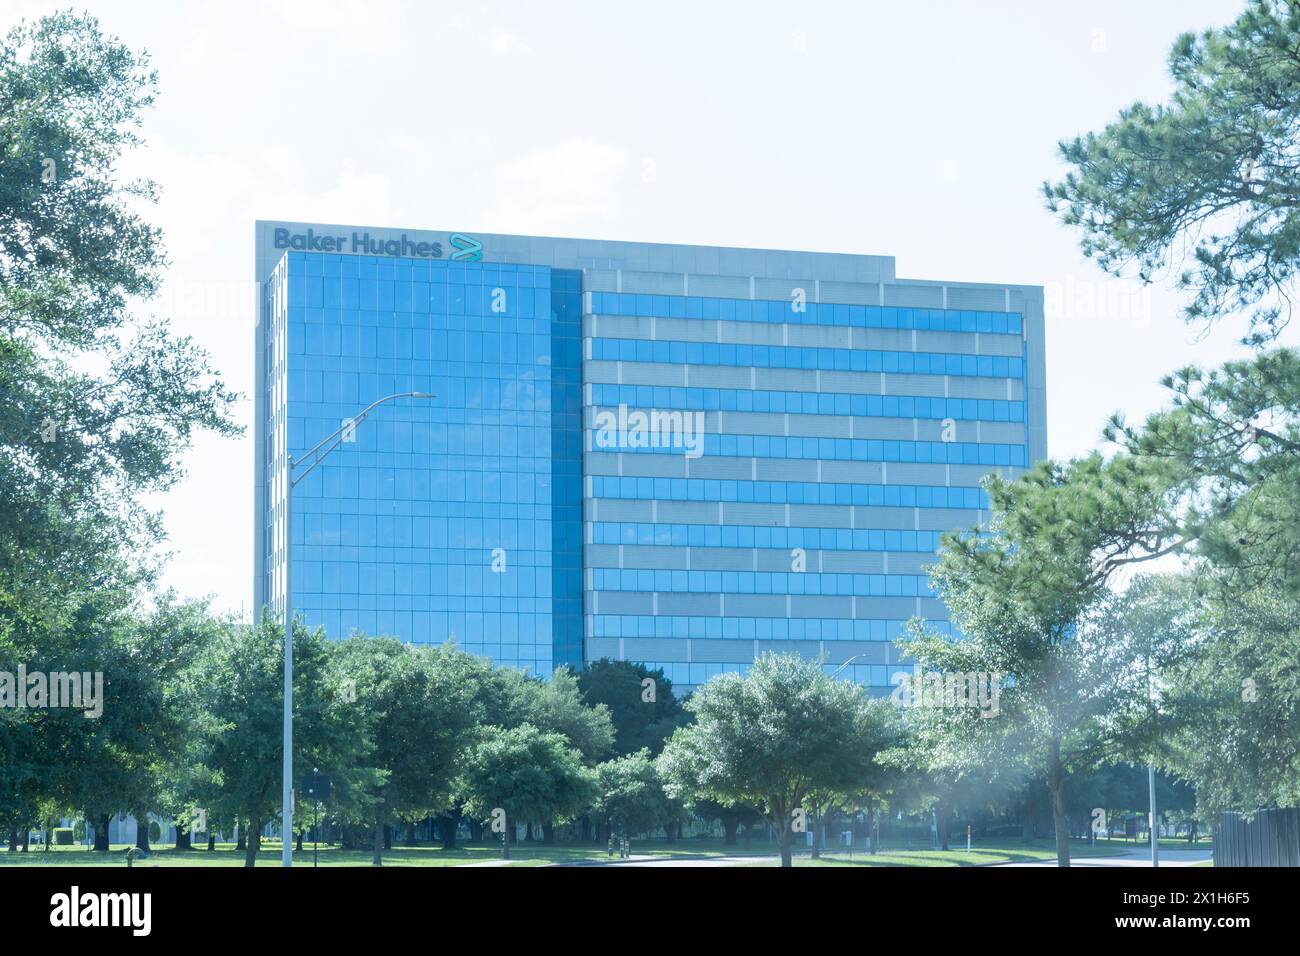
(920, 130)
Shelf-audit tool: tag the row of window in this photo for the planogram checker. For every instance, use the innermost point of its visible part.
(473, 436)
(471, 607)
(429, 580)
(498, 395)
(811, 313)
(385, 295)
(807, 403)
(526, 486)
(531, 630)
(523, 349)
(456, 448)
(760, 582)
(422, 323)
(528, 542)
(788, 492)
(799, 357)
(824, 449)
(753, 628)
(688, 675)
(761, 536)
(444, 270)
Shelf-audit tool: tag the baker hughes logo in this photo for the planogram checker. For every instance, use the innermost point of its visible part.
(76, 909)
(464, 248)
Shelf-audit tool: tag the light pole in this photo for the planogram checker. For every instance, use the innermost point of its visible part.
(1152, 822)
(311, 458)
(1155, 837)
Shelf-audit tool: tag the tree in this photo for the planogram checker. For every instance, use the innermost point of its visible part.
(556, 706)
(770, 738)
(1235, 727)
(644, 716)
(96, 406)
(527, 775)
(632, 795)
(414, 713)
(1215, 171)
(1232, 439)
(235, 693)
(513, 698)
(1025, 593)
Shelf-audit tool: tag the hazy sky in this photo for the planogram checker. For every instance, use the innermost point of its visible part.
(921, 130)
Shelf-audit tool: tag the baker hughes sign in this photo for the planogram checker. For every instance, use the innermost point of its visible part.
(464, 249)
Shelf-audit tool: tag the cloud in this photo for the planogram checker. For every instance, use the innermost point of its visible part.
(373, 27)
(551, 190)
(505, 43)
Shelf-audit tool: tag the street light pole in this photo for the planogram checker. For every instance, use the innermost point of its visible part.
(312, 459)
(1155, 837)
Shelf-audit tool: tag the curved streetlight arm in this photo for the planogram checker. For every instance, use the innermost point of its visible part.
(335, 438)
(316, 455)
(840, 669)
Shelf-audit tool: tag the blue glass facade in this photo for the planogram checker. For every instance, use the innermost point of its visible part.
(845, 421)
(458, 517)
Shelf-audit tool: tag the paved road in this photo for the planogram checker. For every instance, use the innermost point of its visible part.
(663, 861)
(1134, 858)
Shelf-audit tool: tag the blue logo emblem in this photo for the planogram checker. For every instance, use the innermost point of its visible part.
(467, 249)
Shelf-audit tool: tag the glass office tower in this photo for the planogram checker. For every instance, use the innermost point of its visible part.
(680, 455)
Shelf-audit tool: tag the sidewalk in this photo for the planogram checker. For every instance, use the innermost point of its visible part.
(1134, 858)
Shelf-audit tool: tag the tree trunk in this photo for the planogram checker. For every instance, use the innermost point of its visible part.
(410, 834)
(252, 842)
(447, 826)
(298, 841)
(528, 833)
(241, 838)
(475, 830)
(817, 834)
(380, 832)
(101, 833)
(548, 833)
(183, 841)
(212, 842)
(729, 827)
(671, 830)
(142, 834)
(1056, 784)
(787, 841)
(941, 824)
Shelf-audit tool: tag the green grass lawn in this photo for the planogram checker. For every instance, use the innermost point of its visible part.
(536, 854)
